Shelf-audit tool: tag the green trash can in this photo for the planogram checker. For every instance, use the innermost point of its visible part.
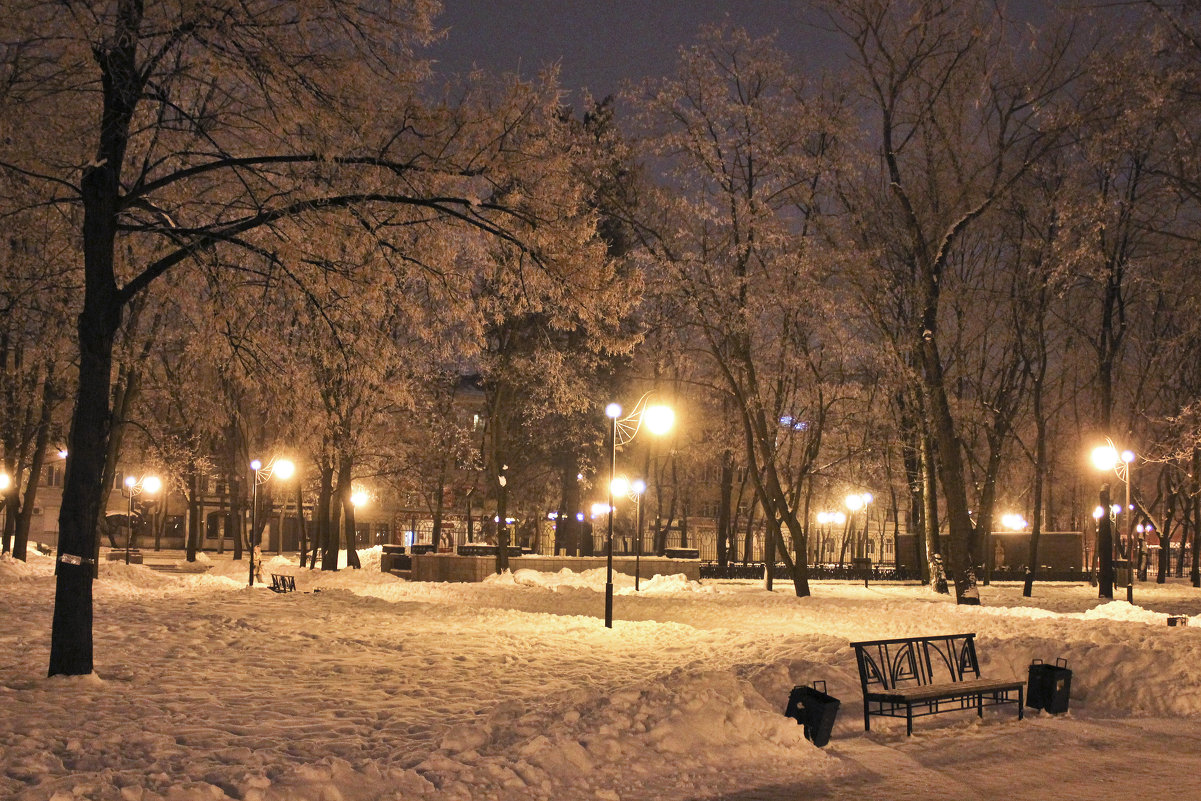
(1049, 686)
(815, 710)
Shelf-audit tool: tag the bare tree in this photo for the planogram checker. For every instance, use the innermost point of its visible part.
(203, 127)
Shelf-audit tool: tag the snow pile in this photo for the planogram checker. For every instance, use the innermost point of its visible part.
(594, 579)
(666, 585)
(621, 745)
(17, 570)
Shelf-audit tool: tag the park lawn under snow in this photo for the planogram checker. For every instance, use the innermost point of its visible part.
(363, 686)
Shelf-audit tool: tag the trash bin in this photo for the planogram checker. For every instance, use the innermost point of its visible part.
(1049, 686)
(815, 710)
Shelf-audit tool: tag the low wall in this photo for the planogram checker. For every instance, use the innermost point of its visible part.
(451, 567)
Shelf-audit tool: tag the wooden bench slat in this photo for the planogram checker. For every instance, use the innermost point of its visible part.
(931, 691)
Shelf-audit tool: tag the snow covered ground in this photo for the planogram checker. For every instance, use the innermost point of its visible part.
(376, 688)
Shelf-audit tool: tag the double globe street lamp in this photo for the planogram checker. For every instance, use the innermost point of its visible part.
(658, 420)
(623, 487)
(1106, 458)
(131, 488)
(283, 469)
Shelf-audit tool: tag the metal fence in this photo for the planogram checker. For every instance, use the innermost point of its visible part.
(704, 540)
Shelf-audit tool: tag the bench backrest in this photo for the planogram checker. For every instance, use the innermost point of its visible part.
(916, 661)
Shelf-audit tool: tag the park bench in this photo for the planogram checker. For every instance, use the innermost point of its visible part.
(915, 676)
(281, 582)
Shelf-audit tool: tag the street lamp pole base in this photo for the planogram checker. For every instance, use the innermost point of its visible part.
(608, 604)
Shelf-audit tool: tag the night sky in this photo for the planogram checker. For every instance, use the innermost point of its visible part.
(600, 43)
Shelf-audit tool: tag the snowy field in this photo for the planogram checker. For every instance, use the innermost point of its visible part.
(376, 688)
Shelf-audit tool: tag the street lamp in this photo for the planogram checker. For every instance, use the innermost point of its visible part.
(1014, 522)
(638, 488)
(134, 487)
(279, 468)
(659, 420)
(1105, 458)
(623, 487)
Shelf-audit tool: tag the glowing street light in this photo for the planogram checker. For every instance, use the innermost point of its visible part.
(134, 487)
(1014, 522)
(359, 498)
(659, 420)
(828, 518)
(857, 501)
(620, 486)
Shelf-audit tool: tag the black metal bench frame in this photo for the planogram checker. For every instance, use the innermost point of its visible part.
(912, 677)
(282, 582)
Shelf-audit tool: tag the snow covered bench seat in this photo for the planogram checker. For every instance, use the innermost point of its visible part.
(914, 676)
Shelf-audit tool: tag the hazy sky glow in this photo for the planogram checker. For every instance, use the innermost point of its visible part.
(600, 43)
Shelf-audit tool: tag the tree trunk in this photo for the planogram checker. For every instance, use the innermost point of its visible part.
(345, 490)
(323, 536)
(769, 551)
(1040, 472)
(1105, 546)
(1195, 571)
(37, 461)
(195, 523)
(236, 517)
(567, 527)
(748, 541)
(439, 509)
(938, 577)
(301, 528)
(87, 443)
(951, 475)
(725, 518)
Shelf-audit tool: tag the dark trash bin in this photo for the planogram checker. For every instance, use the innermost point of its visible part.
(1049, 686)
(815, 710)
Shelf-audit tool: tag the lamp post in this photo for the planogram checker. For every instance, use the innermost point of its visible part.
(638, 488)
(659, 420)
(280, 468)
(1105, 458)
(623, 487)
(134, 487)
